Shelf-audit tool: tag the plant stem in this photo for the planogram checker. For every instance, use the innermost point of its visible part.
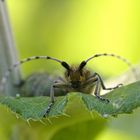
(8, 55)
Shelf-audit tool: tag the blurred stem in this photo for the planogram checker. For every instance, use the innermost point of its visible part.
(8, 54)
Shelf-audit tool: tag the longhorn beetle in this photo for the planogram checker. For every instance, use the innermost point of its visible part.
(76, 78)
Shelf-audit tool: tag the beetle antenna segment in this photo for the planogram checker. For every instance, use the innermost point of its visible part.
(5, 77)
(65, 65)
(116, 56)
(81, 66)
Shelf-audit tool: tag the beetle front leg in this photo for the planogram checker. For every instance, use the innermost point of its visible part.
(51, 100)
(100, 82)
(95, 81)
(52, 97)
(97, 91)
(104, 87)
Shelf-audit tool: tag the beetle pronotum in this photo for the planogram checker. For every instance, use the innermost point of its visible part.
(76, 78)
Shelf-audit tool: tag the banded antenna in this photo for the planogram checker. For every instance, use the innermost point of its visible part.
(6, 75)
(83, 63)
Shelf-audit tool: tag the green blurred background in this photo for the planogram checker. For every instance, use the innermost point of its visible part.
(73, 30)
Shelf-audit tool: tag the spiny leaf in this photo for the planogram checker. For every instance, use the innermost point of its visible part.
(122, 100)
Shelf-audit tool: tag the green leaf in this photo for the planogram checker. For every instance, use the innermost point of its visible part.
(82, 131)
(122, 100)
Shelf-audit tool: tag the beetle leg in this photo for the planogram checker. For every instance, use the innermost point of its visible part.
(104, 87)
(52, 97)
(97, 81)
(97, 91)
(100, 82)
